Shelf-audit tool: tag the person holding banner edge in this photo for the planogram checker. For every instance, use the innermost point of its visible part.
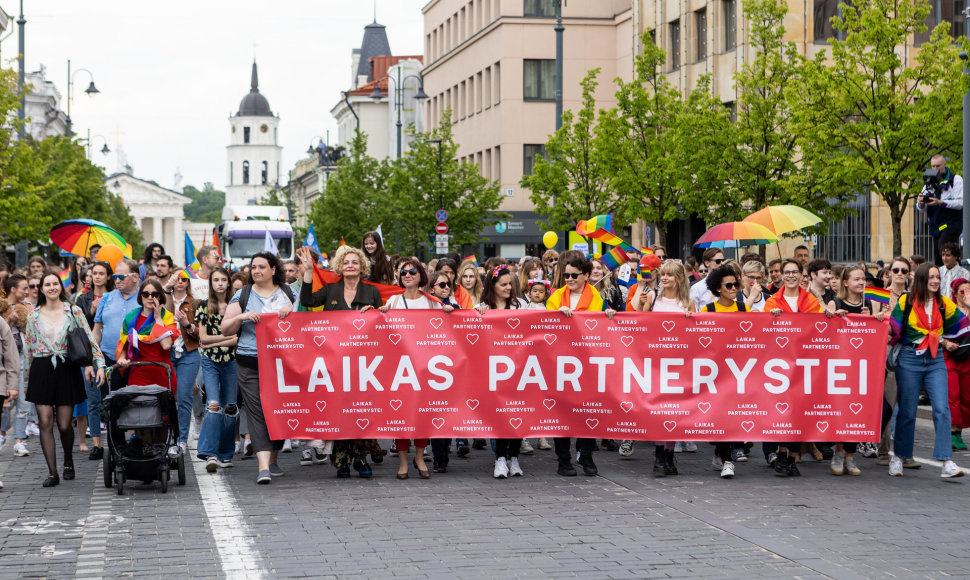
(576, 295)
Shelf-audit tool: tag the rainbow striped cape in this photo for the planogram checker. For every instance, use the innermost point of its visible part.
(149, 332)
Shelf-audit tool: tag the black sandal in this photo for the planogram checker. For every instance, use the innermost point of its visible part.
(68, 472)
(51, 480)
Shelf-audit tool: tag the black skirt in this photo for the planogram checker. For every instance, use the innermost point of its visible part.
(50, 385)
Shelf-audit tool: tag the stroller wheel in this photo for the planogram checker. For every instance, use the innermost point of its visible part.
(181, 469)
(120, 481)
(106, 467)
(163, 479)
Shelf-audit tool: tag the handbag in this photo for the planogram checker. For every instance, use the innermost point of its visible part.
(78, 346)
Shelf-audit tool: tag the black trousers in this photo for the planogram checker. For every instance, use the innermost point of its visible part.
(561, 445)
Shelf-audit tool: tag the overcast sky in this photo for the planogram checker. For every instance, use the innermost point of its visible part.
(171, 73)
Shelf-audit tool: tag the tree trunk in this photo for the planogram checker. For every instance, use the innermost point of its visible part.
(661, 229)
(896, 212)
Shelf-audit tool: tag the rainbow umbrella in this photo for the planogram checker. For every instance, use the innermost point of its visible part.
(77, 237)
(781, 219)
(735, 235)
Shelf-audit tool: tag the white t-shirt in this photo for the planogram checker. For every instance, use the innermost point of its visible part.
(700, 295)
(399, 302)
(792, 302)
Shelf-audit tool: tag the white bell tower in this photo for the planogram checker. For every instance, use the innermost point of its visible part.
(253, 154)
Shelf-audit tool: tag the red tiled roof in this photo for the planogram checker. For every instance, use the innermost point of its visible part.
(379, 66)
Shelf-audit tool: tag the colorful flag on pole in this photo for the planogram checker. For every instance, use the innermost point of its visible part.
(189, 273)
(471, 259)
(65, 276)
(600, 228)
(311, 240)
(342, 242)
(614, 258)
(269, 245)
(215, 242)
(190, 259)
(877, 294)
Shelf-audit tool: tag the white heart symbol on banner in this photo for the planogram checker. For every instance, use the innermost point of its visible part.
(704, 407)
(363, 423)
(669, 325)
(782, 341)
(293, 423)
(626, 340)
(515, 423)
(591, 324)
(394, 338)
(472, 404)
(319, 340)
(284, 326)
(395, 403)
(592, 423)
(549, 338)
(856, 408)
(745, 325)
(627, 406)
(321, 405)
(822, 426)
(855, 342)
(821, 326)
(437, 422)
(705, 341)
(358, 323)
(513, 323)
(670, 425)
(471, 338)
(747, 426)
(782, 407)
(548, 403)
(436, 322)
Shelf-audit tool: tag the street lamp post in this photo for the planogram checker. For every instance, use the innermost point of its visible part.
(377, 95)
(22, 113)
(104, 150)
(91, 90)
(351, 107)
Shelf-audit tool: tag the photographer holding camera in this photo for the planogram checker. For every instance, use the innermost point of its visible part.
(942, 198)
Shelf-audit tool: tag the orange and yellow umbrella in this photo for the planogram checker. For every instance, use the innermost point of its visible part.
(735, 235)
(781, 219)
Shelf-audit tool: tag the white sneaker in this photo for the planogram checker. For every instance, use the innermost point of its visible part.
(238, 447)
(850, 466)
(543, 444)
(501, 468)
(33, 429)
(20, 449)
(950, 469)
(690, 447)
(717, 463)
(223, 464)
(896, 467)
(3, 440)
(626, 448)
(527, 447)
(1, 485)
(287, 446)
(678, 447)
(306, 457)
(183, 447)
(728, 471)
(514, 469)
(838, 463)
(211, 465)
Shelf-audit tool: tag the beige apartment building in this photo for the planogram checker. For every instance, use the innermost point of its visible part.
(492, 62)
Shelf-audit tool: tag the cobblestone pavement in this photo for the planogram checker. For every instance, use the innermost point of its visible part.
(465, 524)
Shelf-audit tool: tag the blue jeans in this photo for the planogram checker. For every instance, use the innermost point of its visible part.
(913, 372)
(186, 368)
(94, 408)
(218, 434)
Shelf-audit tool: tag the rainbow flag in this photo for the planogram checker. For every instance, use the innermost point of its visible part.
(188, 273)
(877, 294)
(149, 332)
(614, 258)
(600, 228)
(471, 259)
(190, 258)
(342, 242)
(65, 276)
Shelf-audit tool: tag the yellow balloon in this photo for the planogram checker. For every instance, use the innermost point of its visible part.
(549, 239)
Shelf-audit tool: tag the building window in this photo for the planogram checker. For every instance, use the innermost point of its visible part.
(675, 44)
(540, 7)
(825, 10)
(730, 24)
(264, 174)
(540, 80)
(732, 108)
(951, 11)
(530, 154)
(245, 173)
(700, 29)
(245, 134)
(231, 171)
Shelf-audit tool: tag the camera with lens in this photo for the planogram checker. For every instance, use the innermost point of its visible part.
(931, 184)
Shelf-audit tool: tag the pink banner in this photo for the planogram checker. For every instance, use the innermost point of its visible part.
(643, 376)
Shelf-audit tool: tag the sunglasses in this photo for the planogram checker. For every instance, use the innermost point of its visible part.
(154, 295)
(791, 274)
(442, 285)
(571, 276)
(730, 285)
(33, 286)
(119, 276)
(552, 262)
(718, 261)
(703, 270)
(409, 272)
(900, 270)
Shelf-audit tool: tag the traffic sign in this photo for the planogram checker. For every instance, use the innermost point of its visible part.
(441, 215)
(441, 228)
(441, 244)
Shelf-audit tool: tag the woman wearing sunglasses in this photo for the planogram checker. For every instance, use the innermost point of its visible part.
(147, 335)
(413, 277)
(52, 379)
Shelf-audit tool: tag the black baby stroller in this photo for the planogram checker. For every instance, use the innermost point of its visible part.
(151, 451)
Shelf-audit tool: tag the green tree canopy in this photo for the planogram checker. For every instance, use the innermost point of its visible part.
(206, 205)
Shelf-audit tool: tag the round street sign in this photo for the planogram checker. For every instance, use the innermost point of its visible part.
(441, 215)
(441, 228)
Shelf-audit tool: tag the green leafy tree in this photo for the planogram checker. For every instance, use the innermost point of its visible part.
(870, 119)
(660, 147)
(206, 205)
(417, 189)
(355, 199)
(574, 181)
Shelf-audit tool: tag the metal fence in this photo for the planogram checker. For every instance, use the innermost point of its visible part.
(849, 240)
(922, 240)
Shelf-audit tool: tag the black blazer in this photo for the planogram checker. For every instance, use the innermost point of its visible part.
(331, 296)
